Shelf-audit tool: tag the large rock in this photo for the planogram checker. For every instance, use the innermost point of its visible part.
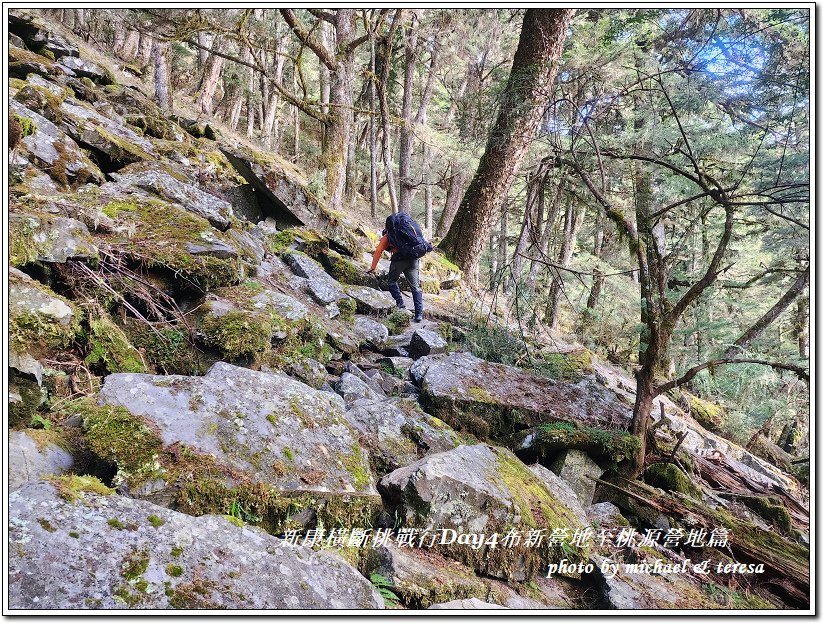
(370, 300)
(34, 454)
(483, 490)
(562, 490)
(426, 342)
(422, 582)
(576, 468)
(38, 317)
(86, 69)
(110, 552)
(371, 331)
(48, 238)
(110, 134)
(216, 211)
(397, 433)
(50, 149)
(492, 400)
(351, 388)
(322, 287)
(280, 433)
(37, 36)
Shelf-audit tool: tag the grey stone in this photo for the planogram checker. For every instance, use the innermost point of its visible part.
(561, 490)
(371, 331)
(605, 514)
(29, 461)
(303, 265)
(420, 582)
(50, 85)
(325, 290)
(370, 300)
(467, 603)
(49, 144)
(25, 364)
(211, 246)
(309, 371)
(249, 420)
(425, 342)
(52, 239)
(111, 136)
(332, 310)
(397, 434)
(351, 389)
(244, 203)
(87, 69)
(353, 368)
(629, 590)
(16, 41)
(217, 211)
(285, 305)
(179, 562)
(575, 467)
(250, 248)
(397, 364)
(479, 489)
(29, 297)
(502, 399)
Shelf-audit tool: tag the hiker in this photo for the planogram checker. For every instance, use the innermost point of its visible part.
(403, 237)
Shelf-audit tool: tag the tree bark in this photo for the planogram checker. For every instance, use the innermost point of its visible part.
(130, 45)
(373, 139)
(454, 193)
(405, 158)
(546, 235)
(163, 85)
(528, 87)
(208, 85)
(144, 50)
(773, 313)
(801, 327)
(572, 224)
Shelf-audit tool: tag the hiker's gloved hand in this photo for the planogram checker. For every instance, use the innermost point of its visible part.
(370, 272)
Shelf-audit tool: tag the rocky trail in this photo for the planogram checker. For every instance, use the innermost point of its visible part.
(213, 406)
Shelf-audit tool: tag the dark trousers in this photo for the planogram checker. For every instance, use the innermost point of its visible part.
(411, 270)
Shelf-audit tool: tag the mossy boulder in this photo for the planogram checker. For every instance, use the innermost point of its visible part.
(572, 366)
(49, 149)
(158, 234)
(25, 397)
(495, 400)
(261, 438)
(22, 63)
(38, 317)
(241, 321)
(670, 478)
(110, 348)
(420, 582)
(86, 69)
(483, 490)
(346, 271)
(48, 238)
(113, 552)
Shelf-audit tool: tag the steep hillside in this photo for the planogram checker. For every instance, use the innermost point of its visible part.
(212, 405)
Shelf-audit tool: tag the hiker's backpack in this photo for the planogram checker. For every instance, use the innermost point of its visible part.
(406, 237)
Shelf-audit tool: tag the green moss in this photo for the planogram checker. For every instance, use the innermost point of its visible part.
(74, 534)
(23, 412)
(162, 233)
(289, 454)
(570, 367)
(194, 595)
(116, 524)
(708, 414)
(481, 395)
(610, 444)
(289, 239)
(771, 509)
(48, 526)
(345, 270)
(134, 565)
(176, 551)
(27, 125)
(167, 347)
(355, 464)
(109, 346)
(120, 438)
(155, 521)
(41, 100)
(237, 333)
(72, 487)
(669, 478)
(31, 328)
(347, 307)
(174, 570)
(396, 322)
(16, 83)
(732, 599)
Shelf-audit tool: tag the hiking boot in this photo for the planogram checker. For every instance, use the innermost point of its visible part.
(417, 298)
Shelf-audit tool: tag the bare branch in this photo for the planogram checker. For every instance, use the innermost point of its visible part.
(326, 57)
(691, 373)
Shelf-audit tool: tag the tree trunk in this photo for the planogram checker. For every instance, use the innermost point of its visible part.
(427, 191)
(503, 236)
(208, 85)
(405, 157)
(572, 224)
(130, 45)
(454, 193)
(324, 70)
(382, 98)
(532, 74)
(144, 50)
(373, 140)
(761, 324)
(204, 41)
(546, 235)
(801, 327)
(534, 195)
(163, 85)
